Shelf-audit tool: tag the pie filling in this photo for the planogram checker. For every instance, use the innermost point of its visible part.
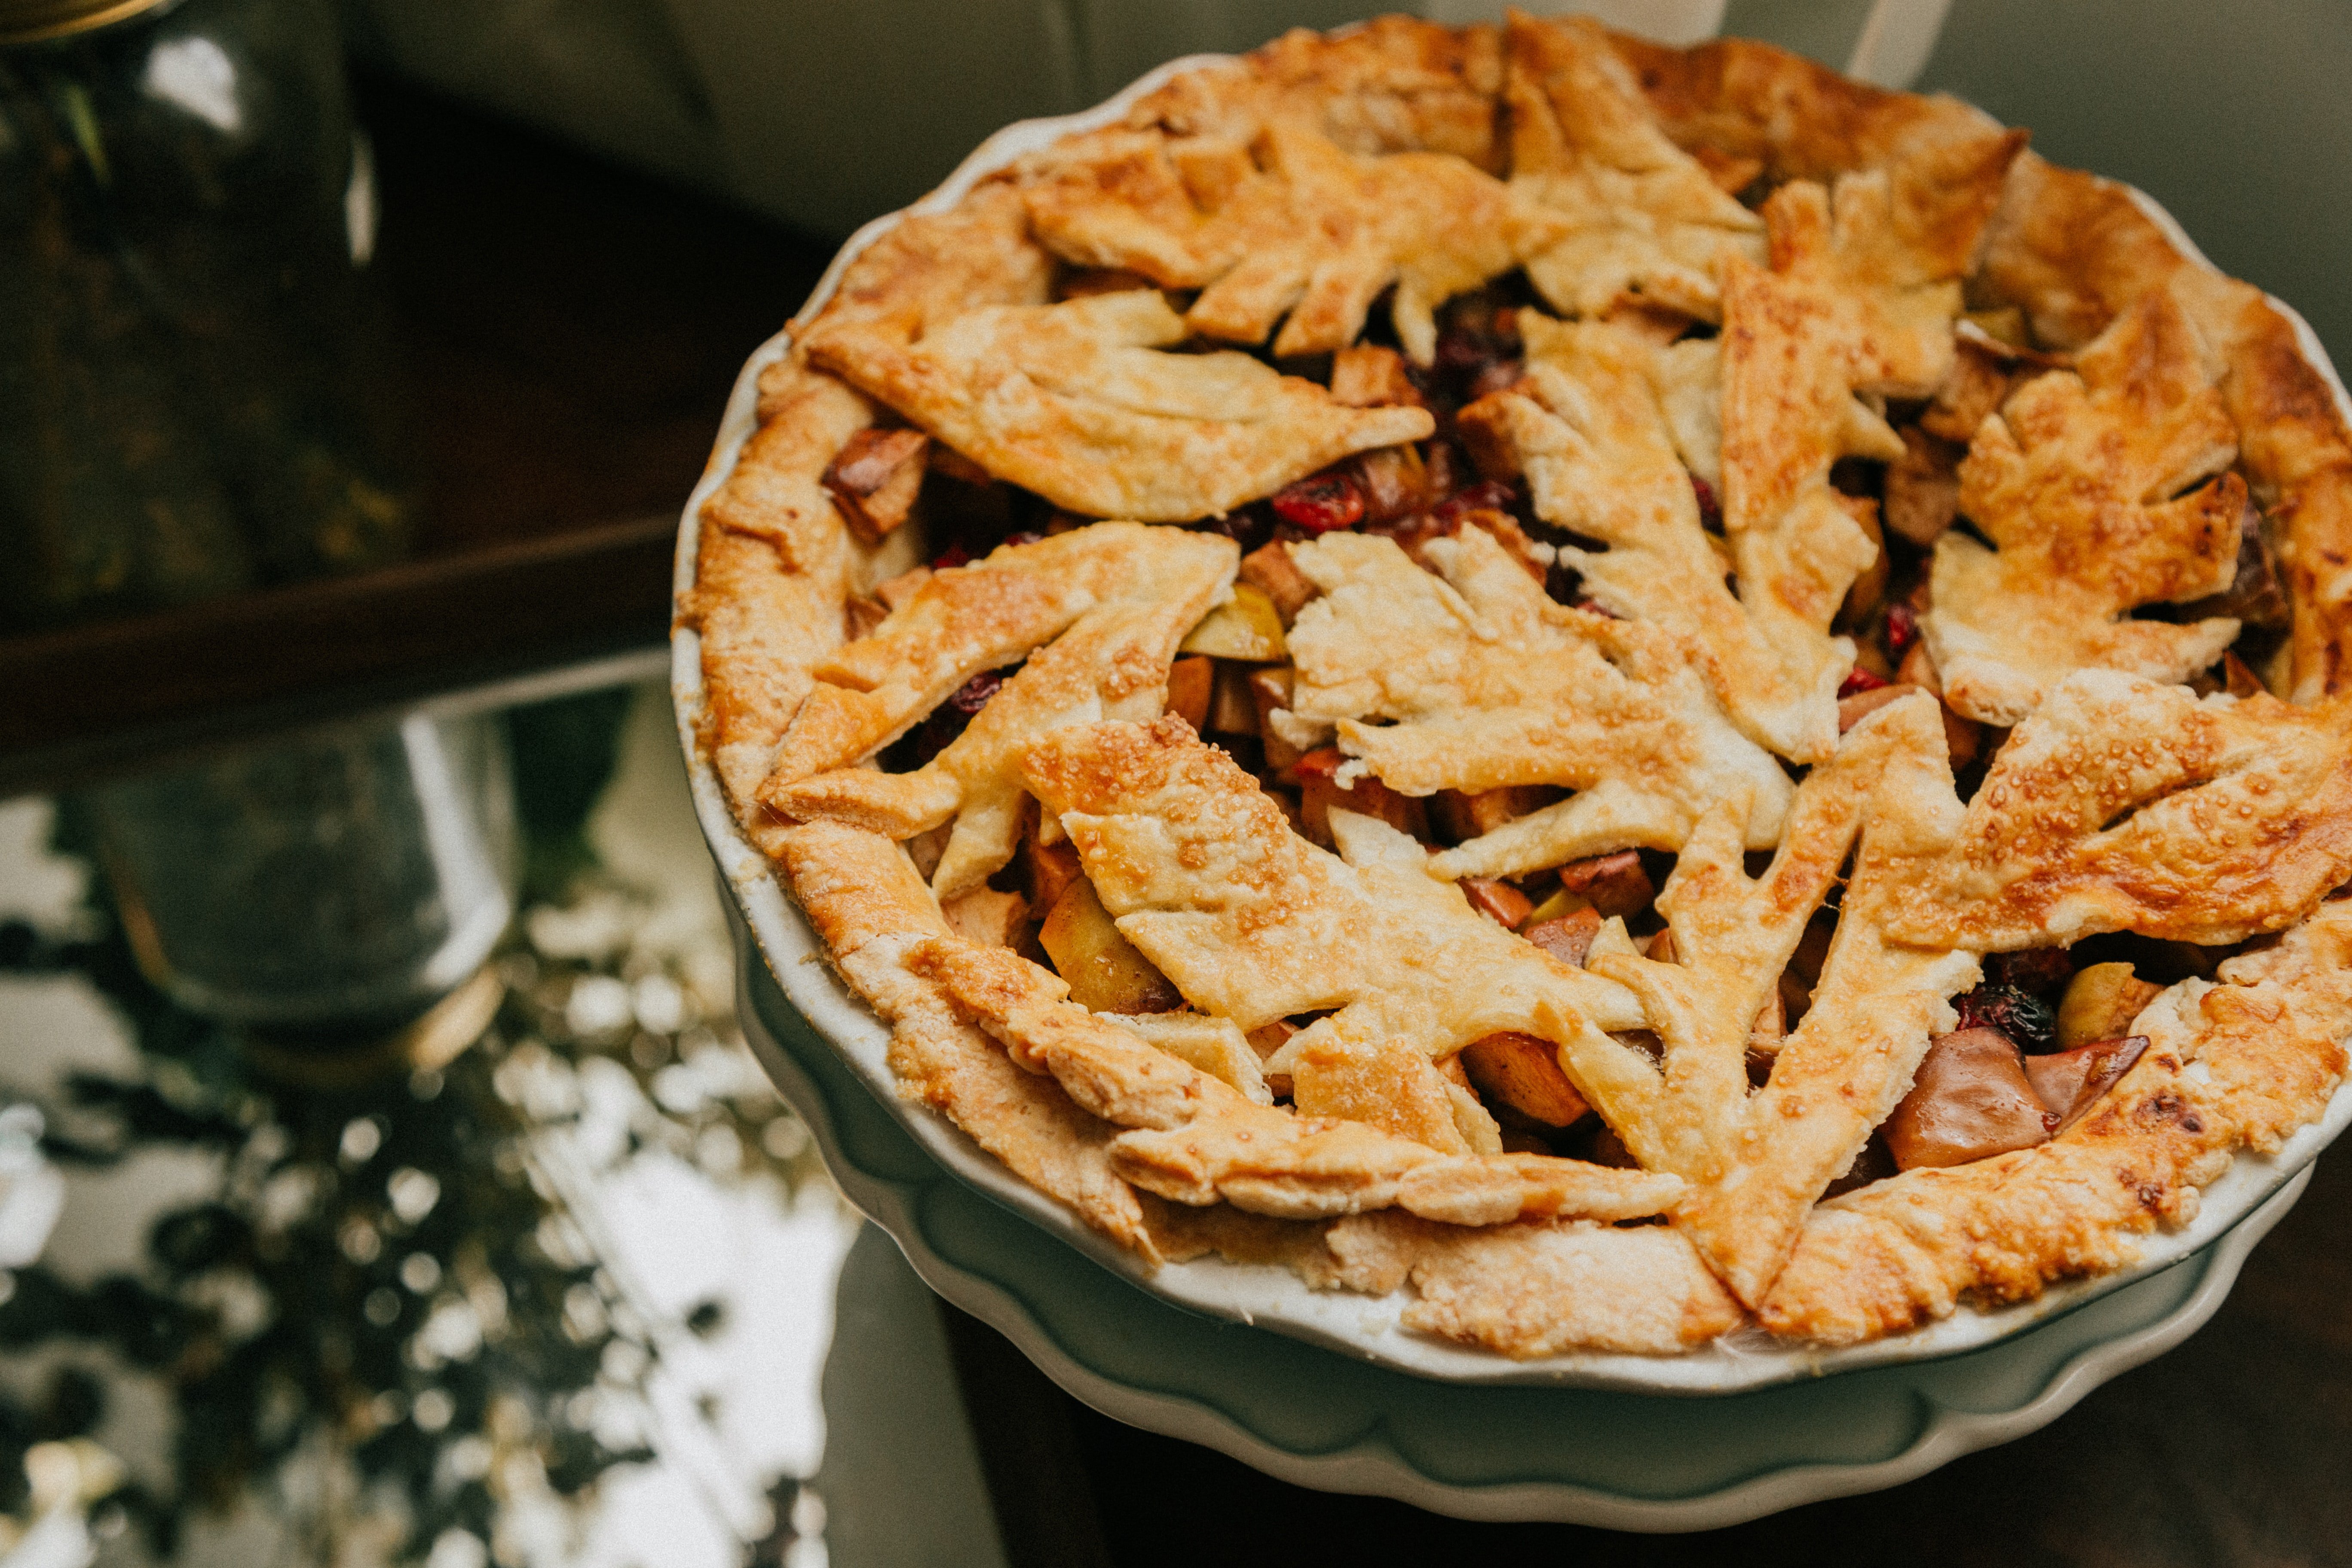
(1625, 745)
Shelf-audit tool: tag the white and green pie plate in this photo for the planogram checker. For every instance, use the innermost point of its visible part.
(1336, 1421)
(1339, 1395)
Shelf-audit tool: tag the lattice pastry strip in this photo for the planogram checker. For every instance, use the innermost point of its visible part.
(2079, 481)
(1112, 601)
(1290, 226)
(1478, 680)
(1590, 428)
(1074, 402)
(2124, 804)
(1644, 216)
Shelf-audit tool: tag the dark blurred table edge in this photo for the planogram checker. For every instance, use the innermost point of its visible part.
(491, 680)
(1022, 1426)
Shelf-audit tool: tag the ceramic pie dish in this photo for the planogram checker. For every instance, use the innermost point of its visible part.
(1617, 935)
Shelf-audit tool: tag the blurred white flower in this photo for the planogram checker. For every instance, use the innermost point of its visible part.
(32, 1192)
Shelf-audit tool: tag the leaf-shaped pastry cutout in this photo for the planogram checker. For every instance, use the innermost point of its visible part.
(1164, 208)
(1861, 297)
(1196, 1140)
(1688, 376)
(1592, 430)
(1073, 402)
(1539, 1290)
(1113, 601)
(1203, 873)
(1292, 225)
(1757, 1161)
(773, 564)
(861, 893)
(2079, 481)
(1393, 84)
(1479, 681)
(1252, 922)
(2245, 1061)
(926, 271)
(776, 560)
(1644, 216)
(2122, 804)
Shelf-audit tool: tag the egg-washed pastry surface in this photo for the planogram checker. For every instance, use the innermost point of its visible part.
(1622, 692)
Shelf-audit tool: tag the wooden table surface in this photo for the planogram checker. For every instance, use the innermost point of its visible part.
(2232, 1451)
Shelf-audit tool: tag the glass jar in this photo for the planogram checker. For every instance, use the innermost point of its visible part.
(196, 394)
(341, 881)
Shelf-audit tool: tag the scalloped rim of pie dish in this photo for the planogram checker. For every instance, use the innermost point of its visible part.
(1268, 1295)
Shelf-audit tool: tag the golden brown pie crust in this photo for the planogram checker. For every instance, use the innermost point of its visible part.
(1293, 186)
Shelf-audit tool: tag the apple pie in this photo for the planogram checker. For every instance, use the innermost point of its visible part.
(1628, 692)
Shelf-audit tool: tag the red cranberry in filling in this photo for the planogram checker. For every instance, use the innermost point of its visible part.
(1321, 502)
(1710, 510)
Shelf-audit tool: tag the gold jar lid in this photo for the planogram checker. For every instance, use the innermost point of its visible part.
(38, 21)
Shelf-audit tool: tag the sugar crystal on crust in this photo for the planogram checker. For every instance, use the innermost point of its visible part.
(1859, 300)
(1254, 923)
(2269, 1037)
(1757, 1161)
(1195, 1140)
